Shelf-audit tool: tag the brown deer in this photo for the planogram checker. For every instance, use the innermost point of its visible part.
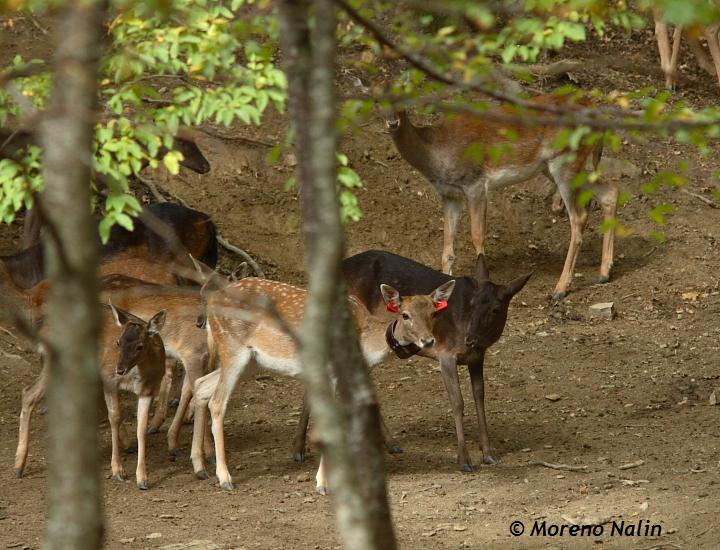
(474, 321)
(242, 334)
(126, 342)
(182, 339)
(14, 142)
(194, 230)
(141, 346)
(669, 54)
(443, 154)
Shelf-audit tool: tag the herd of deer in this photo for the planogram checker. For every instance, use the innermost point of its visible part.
(400, 306)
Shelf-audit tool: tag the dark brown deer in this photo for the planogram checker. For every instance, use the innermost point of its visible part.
(446, 155)
(194, 230)
(242, 334)
(473, 321)
(14, 142)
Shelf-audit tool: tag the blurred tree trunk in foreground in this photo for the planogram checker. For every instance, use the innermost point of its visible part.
(75, 514)
(350, 435)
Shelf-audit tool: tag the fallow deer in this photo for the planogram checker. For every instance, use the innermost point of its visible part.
(243, 334)
(182, 339)
(669, 54)
(194, 230)
(126, 342)
(136, 364)
(474, 321)
(444, 154)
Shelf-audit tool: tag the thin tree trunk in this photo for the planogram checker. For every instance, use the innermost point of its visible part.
(362, 510)
(74, 516)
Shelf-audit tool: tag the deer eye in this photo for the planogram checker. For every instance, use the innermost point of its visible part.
(405, 316)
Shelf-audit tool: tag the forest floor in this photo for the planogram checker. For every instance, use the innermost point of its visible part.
(632, 390)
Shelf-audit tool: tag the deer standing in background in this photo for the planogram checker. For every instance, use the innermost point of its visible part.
(442, 154)
(669, 55)
(14, 142)
(474, 321)
(244, 334)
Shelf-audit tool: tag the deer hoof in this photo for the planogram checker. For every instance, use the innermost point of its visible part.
(19, 472)
(142, 485)
(467, 467)
(395, 450)
(175, 453)
(153, 429)
(490, 460)
(202, 474)
(300, 457)
(130, 450)
(227, 486)
(321, 489)
(120, 477)
(602, 279)
(175, 403)
(559, 295)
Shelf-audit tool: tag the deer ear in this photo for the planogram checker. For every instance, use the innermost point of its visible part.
(482, 273)
(157, 322)
(443, 292)
(121, 316)
(390, 295)
(516, 285)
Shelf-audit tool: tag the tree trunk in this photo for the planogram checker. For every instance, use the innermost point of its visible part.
(74, 516)
(362, 510)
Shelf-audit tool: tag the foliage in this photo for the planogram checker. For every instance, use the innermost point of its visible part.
(192, 62)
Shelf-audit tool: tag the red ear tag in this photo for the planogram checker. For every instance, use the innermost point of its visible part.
(442, 304)
(392, 306)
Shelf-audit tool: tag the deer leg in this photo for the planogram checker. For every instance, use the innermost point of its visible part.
(143, 411)
(204, 389)
(711, 34)
(577, 216)
(671, 80)
(321, 481)
(163, 400)
(300, 440)
(194, 369)
(477, 205)
(452, 208)
(607, 196)
(448, 367)
(31, 396)
(390, 443)
(174, 430)
(229, 376)
(663, 42)
(115, 417)
(478, 386)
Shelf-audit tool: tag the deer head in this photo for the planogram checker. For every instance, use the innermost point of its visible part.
(139, 339)
(416, 313)
(489, 305)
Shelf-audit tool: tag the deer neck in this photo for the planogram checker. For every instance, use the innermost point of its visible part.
(413, 146)
(380, 336)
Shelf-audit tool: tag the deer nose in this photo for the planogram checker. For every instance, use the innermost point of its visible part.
(470, 342)
(427, 342)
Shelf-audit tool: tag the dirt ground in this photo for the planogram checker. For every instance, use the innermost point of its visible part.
(632, 390)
